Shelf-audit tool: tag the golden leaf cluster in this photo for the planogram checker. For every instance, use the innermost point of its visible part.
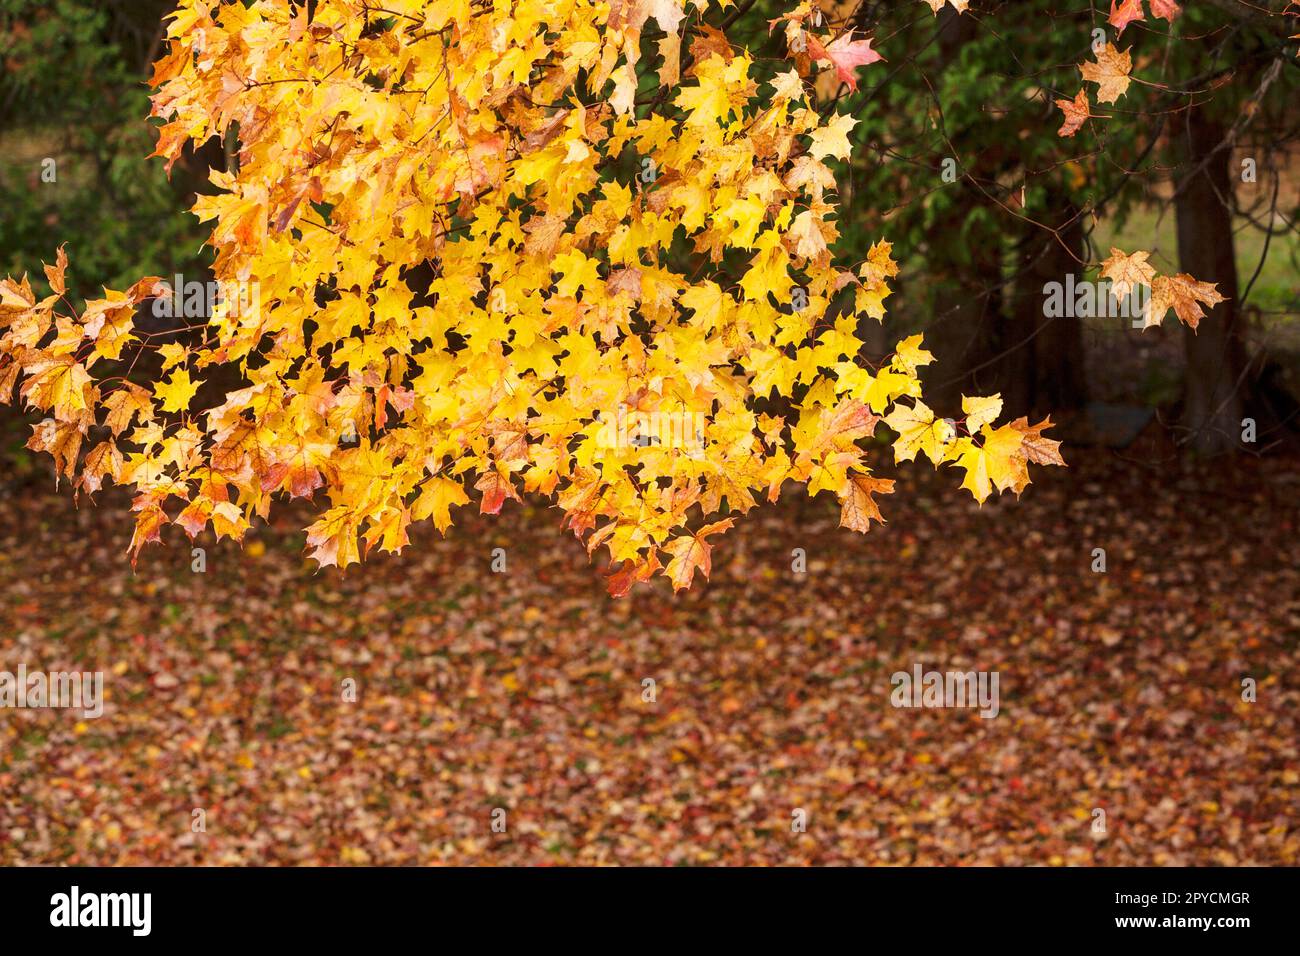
(478, 233)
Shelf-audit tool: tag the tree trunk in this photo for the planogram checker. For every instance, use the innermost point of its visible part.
(1216, 389)
(964, 335)
(966, 270)
(1047, 376)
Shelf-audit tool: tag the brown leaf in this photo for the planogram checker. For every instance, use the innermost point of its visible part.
(858, 507)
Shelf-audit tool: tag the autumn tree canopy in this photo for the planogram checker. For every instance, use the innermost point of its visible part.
(471, 250)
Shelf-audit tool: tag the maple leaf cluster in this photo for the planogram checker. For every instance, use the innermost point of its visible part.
(1111, 71)
(483, 142)
(1181, 292)
(1124, 12)
(1112, 67)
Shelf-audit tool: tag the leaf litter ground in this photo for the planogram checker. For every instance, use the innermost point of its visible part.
(1120, 691)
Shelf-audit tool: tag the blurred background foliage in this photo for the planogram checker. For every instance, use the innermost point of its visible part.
(958, 162)
(73, 108)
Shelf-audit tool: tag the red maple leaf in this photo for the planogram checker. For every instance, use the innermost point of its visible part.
(846, 54)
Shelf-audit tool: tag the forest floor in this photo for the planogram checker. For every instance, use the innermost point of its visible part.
(1120, 692)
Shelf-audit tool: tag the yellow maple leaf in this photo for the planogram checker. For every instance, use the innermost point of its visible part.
(996, 463)
(1126, 271)
(57, 385)
(981, 411)
(1110, 72)
(919, 431)
(437, 497)
(909, 356)
(175, 394)
(833, 139)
